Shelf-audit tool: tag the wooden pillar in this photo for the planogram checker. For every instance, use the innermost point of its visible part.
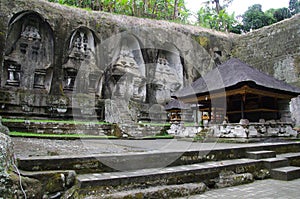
(215, 115)
(243, 106)
(209, 112)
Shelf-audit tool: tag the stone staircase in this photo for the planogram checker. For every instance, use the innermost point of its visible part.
(279, 167)
(140, 175)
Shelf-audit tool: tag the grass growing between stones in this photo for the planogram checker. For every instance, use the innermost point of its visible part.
(158, 137)
(59, 136)
(51, 121)
(154, 124)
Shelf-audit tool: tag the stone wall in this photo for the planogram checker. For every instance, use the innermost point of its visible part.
(273, 49)
(43, 46)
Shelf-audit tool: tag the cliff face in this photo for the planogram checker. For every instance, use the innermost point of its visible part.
(273, 49)
(47, 51)
(64, 20)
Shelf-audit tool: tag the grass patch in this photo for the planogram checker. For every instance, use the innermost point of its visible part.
(51, 121)
(59, 136)
(158, 137)
(154, 124)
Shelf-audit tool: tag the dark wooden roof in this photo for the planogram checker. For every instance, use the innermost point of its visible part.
(232, 73)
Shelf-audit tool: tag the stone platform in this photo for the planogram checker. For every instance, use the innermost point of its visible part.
(192, 167)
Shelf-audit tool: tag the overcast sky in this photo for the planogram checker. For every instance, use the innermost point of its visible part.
(240, 6)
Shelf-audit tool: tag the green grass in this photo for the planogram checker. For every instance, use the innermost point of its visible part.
(59, 136)
(52, 121)
(159, 137)
(77, 136)
(155, 124)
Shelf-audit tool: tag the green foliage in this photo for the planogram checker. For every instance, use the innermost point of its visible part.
(212, 15)
(216, 19)
(255, 18)
(281, 14)
(166, 136)
(294, 6)
(155, 9)
(51, 121)
(60, 136)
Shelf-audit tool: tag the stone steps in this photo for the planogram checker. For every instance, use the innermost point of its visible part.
(53, 181)
(294, 158)
(166, 176)
(271, 163)
(279, 167)
(261, 154)
(165, 191)
(286, 173)
(140, 175)
(133, 161)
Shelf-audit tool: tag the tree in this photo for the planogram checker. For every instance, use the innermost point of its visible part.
(215, 18)
(281, 14)
(255, 18)
(156, 9)
(294, 6)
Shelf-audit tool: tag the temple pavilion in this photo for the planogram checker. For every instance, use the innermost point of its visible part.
(235, 91)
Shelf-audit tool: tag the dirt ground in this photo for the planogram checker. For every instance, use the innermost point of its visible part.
(27, 147)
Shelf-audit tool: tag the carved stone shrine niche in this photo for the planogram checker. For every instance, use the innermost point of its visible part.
(29, 53)
(124, 81)
(81, 72)
(125, 77)
(166, 76)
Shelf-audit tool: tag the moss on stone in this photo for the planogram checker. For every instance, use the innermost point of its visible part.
(203, 41)
(55, 184)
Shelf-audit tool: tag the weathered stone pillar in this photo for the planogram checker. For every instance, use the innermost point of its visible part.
(295, 110)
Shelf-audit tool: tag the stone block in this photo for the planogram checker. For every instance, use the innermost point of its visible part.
(271, 163)
(260, 154)
(286, 173)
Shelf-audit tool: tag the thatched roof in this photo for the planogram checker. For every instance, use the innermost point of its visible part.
(231, 73)
(177, 104)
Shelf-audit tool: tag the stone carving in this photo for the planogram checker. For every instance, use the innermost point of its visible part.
(124, 80)
(14, 75)
(166, 80)
(30, 51)
(39, 78)
(80, 71)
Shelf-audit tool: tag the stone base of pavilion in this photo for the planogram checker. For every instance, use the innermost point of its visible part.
(236, 130)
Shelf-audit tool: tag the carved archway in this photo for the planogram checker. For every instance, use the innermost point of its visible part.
(29, 50)
(81, 72)
(166, 75)
(127, 67)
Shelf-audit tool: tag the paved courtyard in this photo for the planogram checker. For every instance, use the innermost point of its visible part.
(40, 147)
(263, 189)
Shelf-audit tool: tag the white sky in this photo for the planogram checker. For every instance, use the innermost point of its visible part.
(240, 6)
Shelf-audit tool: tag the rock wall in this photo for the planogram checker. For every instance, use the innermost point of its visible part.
(44, 47)
(9, 180)
(274, 49)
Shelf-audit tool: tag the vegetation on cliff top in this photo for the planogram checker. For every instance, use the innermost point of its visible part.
(213, 13)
